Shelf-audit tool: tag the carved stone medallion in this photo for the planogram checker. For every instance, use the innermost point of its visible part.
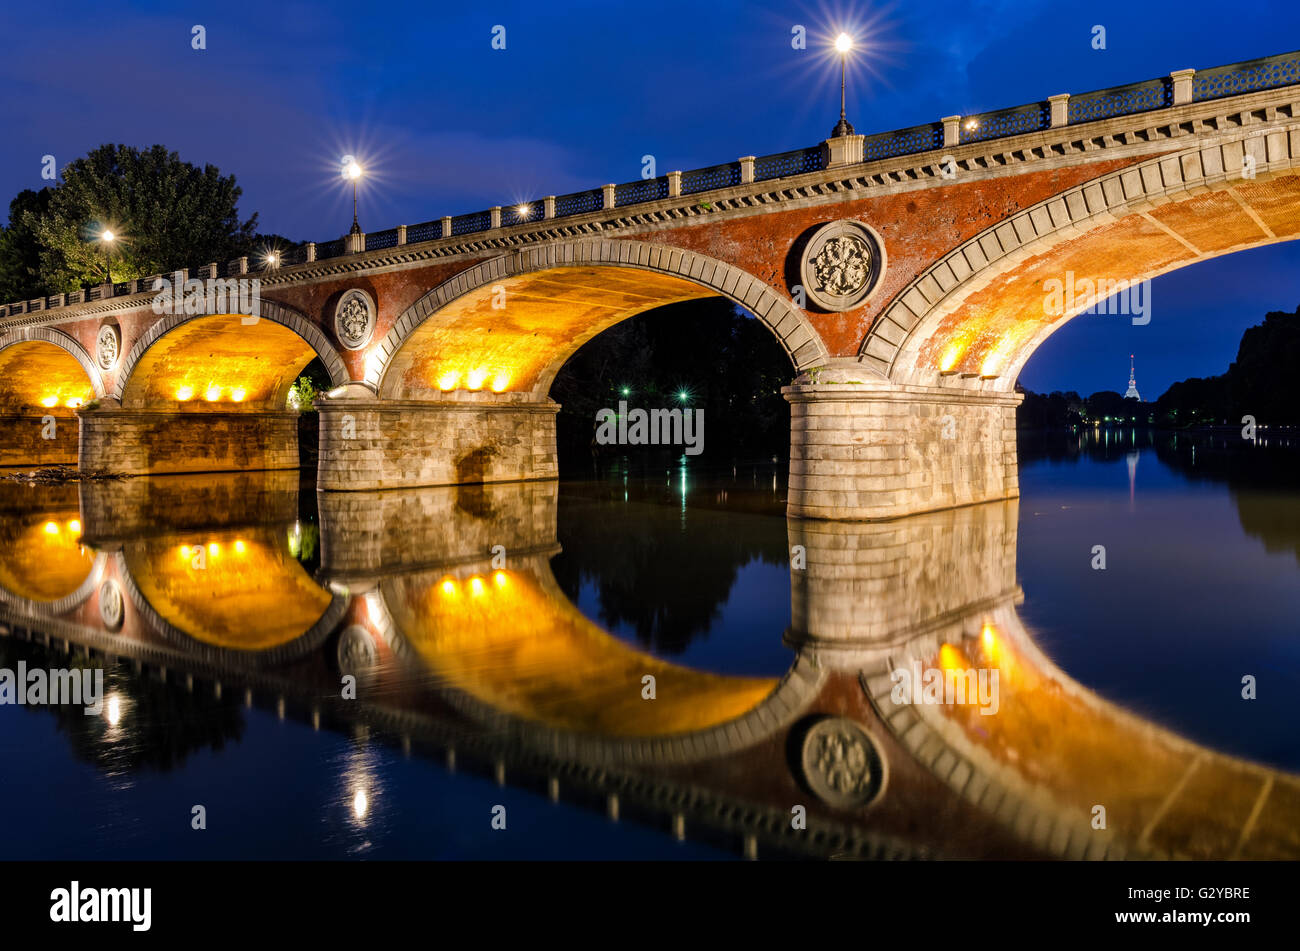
(108, 346)
(356, 652)
(354, 319)
(841, 764)
(842, 265)
(110, 605)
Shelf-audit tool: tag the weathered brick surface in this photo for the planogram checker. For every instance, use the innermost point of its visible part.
(139, 443)
(376, 445)
(860, 453)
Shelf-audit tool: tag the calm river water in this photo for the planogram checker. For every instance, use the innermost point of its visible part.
(592, 665)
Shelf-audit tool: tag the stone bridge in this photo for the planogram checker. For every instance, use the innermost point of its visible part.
(904, 274)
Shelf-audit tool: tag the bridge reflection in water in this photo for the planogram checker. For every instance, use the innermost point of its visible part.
(442, 604)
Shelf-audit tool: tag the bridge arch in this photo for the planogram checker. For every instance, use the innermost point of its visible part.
(35, 340)
(716, 715)
(262, 360)
(456, 317)
(981, 311)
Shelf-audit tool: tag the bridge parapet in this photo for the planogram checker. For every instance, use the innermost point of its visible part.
(540, 219)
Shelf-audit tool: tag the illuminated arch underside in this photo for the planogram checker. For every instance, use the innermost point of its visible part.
(519, 645)
(41, 555)
(262, 359)
(995, 328)
(470, 344)
(254, 599)
(37, 377)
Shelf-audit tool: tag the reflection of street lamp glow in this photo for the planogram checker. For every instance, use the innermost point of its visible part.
(73, 402)
(50, 401)
(214, 549)
(475, 379)
(213, 393)
(448, 587)
(185, 392)
(476, 586)
(500, 382)
(360, 804)
(74, 526)
(113, 710)
(237, 394)
(239, 548)
(500, 579)
(448, 380)
(51, 528)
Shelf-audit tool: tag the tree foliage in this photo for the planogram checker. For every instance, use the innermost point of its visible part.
(165, 214)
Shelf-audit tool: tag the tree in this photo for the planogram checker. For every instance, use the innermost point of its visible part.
(20, 251)
(165, 214)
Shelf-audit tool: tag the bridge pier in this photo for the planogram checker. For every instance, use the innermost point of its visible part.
(158, 442)
(370, 443)
(857, 591)
(47, 440)
(863, 449)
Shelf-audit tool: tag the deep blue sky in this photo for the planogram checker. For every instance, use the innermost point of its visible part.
(584, 90)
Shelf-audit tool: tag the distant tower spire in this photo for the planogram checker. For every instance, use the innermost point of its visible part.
(1132, 392)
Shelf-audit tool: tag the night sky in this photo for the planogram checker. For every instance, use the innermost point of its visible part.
(445, 124)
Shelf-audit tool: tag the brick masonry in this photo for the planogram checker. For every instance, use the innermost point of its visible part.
(371, 444)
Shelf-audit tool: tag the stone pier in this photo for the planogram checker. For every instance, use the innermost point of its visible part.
(370, 443)
(863, 449)
(152, 442)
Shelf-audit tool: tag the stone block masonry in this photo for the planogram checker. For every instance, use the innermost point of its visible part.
(133, 442)
(24, 442)
(867, 451)
(374, 444)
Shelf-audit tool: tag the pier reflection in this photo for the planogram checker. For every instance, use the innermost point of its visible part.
(439, 609)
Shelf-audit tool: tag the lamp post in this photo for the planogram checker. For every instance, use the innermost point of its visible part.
(843, 43)
(106, 238)
(353, 171)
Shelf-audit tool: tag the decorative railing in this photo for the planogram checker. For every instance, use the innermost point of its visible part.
(996, 125)
(381, 239)
(1252, 76)
(579, 203)
(885, 145)
(634, 193)
(1121, 100)
(1176, 89)
(710, 179)
(426, 231)
(785, 164)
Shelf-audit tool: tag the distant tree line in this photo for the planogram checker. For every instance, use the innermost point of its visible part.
(1260, 383)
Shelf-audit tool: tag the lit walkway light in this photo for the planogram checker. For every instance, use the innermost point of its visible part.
(107, 237)
(843, 44)
(353, 172)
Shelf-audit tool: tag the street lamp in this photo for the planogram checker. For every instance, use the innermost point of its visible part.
(107, 237)
(353, 171)
(843, 43)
